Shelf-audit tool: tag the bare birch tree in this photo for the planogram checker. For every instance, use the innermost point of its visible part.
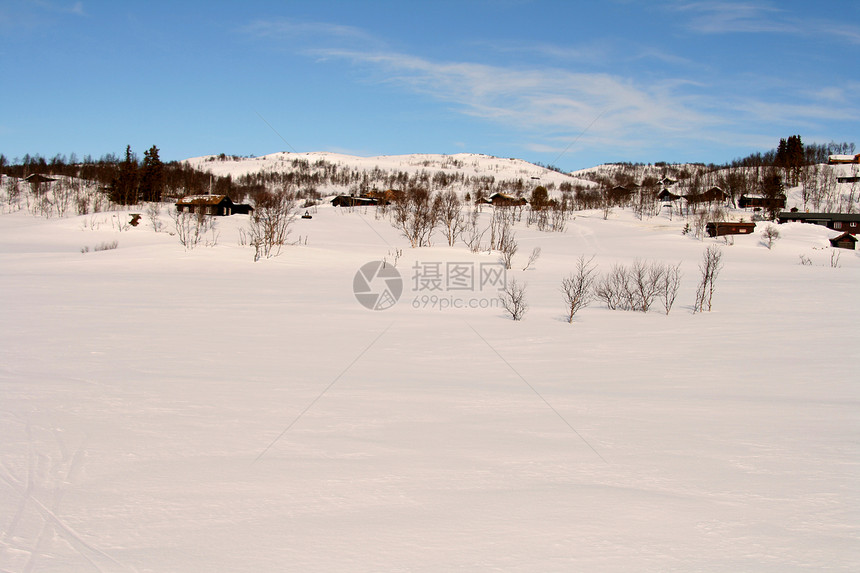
(450, 210)
(415, 214)
(578, 288)
(710, 268)
(513, 297)
(669, 286)
(269, 224)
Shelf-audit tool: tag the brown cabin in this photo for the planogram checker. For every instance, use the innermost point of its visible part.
(753, 201)
(667, 196)
(350, 201)
(37, 180)
(844, 241)
(720, 228)
(843, 222)
(505, 200)
(216, 205)
(712, 195)
(619, 194)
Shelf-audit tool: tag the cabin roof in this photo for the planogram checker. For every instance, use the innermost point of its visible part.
(202, 200)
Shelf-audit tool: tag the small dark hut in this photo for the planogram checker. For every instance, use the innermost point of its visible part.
(350, 201)
(712, 195)
(505, 200)
(753, 201)
(844, 241)
(720, 228)
(37, 180)
(619, 194)
(216, 205)
(667, 196)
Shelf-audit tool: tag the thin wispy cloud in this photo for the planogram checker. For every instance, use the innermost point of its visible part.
(729, 17)
(65, 7)
(23, 17)
(587, 53)
(848, 33)
(548, 105)
(760, 17)
(281, 29)
(535, 99)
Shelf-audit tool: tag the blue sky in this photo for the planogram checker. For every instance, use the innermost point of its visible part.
(573, 84)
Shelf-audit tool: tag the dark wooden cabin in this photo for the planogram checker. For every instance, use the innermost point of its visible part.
(667, 196)
(753, 201)
(844, 222)
(350, 201)
(505, 200)
(720, 228)
(844, 241)
(712, 195)
(216, 205)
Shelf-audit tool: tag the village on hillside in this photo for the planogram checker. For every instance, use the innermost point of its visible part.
(713, 200)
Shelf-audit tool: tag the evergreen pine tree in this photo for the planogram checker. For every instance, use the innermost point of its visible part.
(771, 189)
(152, 176)
(124, 186)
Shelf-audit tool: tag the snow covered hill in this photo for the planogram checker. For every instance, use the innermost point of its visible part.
(469, 164)
(165, 409)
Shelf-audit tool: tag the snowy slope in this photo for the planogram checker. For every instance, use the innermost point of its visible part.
(173, 410)
(470, 164)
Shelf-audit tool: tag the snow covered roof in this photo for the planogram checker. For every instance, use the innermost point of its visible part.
(202, 199)
(37, 178)
(803, 216)
(844, 159)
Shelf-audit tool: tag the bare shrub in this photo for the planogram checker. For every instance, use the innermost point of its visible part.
(472, 234)
(638, 286)
(612, 288)
(450, 210)
(63, 196)
(550, 215)
(513, 298)
(710, 268)
(501, 225)
(269, 224)
(699, 221)
(605, 204)
(533, 257)
(578, 288)
(669, 285)
(82, 204)
(106, 246)
(769, 236)
(194, 229)
(153, 213)
(415, 213)
(508, 247)
(645, 280)
(395, 254)
(13, 193)
(119, 223)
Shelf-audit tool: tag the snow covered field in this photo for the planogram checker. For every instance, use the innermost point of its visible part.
(170, 410)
